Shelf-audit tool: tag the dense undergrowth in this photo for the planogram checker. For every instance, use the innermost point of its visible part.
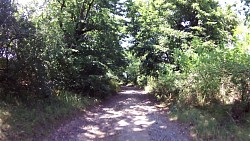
(210, 93)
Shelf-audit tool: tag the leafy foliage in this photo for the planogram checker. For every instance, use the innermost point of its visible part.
(191, 52)
(71, 45)
(160, 27)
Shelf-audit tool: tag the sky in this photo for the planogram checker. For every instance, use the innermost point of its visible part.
(238, 3)
(228, 1)
(23, 2)
(220, 1)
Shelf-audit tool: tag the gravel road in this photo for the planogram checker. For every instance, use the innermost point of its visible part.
(131, 115)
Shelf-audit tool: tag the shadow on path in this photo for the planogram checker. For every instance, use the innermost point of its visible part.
(131, 115)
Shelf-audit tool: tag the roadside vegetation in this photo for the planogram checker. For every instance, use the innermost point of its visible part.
(56, 59)
(194, 56)
(60, 56)
(37, 118)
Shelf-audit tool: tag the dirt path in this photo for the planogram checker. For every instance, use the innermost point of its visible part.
(129, 116)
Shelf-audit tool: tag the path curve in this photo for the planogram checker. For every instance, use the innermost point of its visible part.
(131, 115)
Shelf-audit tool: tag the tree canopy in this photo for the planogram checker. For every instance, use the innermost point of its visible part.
(77, 45)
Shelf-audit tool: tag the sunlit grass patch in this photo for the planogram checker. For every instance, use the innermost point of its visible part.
(212, 124)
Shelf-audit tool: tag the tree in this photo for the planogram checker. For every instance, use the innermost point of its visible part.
(7, 32)
(21, 47)
(160, 27)
(87, 44)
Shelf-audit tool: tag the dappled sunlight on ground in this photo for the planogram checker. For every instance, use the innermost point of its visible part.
(129, 116)
(132, 92)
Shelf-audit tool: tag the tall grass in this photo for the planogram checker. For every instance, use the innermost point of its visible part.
(212, 125)
(36, 118)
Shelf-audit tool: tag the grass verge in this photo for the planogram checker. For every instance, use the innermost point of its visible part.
(212, 123)
(36, 118)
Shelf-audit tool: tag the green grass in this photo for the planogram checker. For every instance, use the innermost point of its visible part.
(213, 123)
(36, 118)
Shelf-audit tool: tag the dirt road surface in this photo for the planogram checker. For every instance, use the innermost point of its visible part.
(131, 115)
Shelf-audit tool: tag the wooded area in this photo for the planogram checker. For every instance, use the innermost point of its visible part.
(192, 54)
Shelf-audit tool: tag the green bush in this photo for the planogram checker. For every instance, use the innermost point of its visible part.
(208, 74)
